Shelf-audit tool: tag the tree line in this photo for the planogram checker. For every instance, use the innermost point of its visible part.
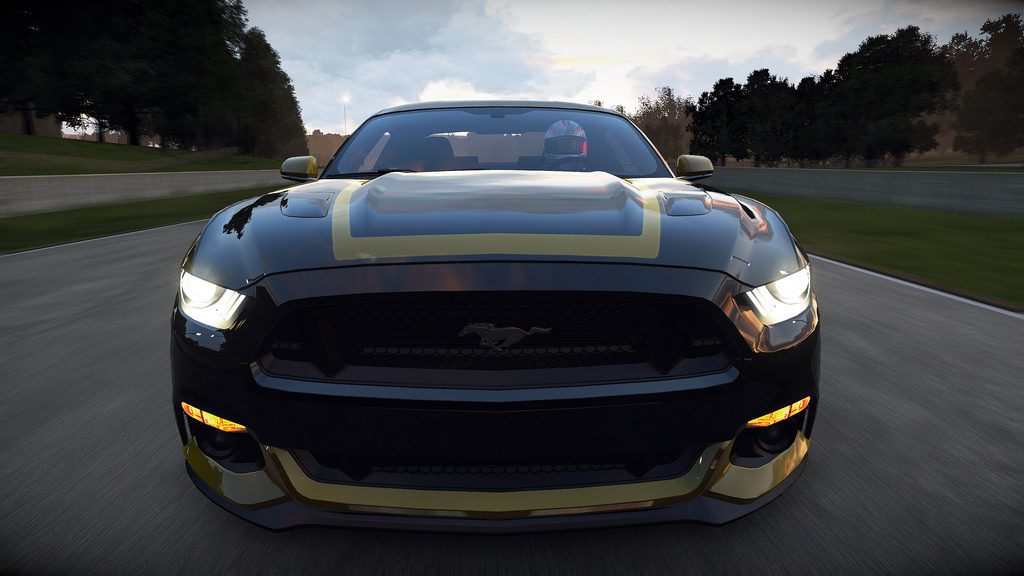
(190, 71)
(889, 98)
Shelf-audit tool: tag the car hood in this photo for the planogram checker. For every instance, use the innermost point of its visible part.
(494, 215)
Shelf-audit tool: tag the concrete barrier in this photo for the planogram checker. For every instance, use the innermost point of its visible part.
(981, 192)
(30, 194)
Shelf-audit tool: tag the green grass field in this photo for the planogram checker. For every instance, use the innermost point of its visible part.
(36, 230)
(37, 155)
(978, 256)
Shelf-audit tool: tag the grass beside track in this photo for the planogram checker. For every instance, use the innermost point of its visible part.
(36, 230)
(39, 155)
(978, 256)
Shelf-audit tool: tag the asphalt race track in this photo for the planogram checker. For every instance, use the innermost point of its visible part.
(917, 464)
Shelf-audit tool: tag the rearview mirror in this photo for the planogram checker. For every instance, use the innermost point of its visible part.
(299, 169)
(690, 167)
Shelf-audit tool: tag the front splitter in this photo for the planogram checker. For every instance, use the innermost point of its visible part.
(291, 514)
(281, 496)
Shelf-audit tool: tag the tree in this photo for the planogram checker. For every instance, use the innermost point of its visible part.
(991, 120)
(969, 57)
(116, 67)
(189, 71)
(664, 120)
(820, 121)
(889, 83)
(196, 48)
(270, 123)
(38, 75)
(717, 126)
(1005, 36)
(767, 111)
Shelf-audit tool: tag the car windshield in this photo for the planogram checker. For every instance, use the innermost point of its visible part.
(497, 138)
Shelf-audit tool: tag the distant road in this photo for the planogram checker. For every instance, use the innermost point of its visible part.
(916, 466)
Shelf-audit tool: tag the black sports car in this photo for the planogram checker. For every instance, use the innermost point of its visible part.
(495, 316)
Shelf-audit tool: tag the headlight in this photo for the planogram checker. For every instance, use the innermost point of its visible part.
(208, 303)
(783, 299)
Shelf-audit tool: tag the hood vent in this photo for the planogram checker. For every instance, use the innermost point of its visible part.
(493, 201)
(696, 203)
(306, 204)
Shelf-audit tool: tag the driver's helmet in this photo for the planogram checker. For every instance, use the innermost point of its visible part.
(565, 139)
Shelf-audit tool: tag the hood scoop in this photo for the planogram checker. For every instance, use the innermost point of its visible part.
(306, 204)
(687, 203)
(493, 201)
(497, 190)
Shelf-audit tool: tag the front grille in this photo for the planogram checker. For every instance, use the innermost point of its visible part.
(507, 474)
(495, 332)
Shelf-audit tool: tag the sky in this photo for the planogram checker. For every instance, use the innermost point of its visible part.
(348, 59)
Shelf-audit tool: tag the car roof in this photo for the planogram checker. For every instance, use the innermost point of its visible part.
(494, 104)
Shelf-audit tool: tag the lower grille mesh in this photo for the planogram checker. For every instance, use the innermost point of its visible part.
(477, 474)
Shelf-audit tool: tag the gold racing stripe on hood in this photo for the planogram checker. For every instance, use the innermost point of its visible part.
(348, 247)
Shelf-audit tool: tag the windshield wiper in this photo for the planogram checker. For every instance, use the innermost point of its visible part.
(371, 174)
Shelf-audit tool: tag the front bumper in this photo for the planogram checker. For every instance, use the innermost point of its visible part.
(717, 488)
(289, 417)
(281, 496)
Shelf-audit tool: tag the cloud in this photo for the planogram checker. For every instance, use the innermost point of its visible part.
(941, 18)
(387, 53)
(797, 43)
(693, 75)
(447, 89)
(390, 51)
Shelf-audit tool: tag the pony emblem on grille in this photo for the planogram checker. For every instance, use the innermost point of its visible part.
(500, 338)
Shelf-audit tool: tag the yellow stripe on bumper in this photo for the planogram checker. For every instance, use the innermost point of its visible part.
(246, 489)
(739, 483)
(490, 504)
(283, 478)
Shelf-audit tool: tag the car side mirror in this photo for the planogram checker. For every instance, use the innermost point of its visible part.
(299, 169)
(690, 167)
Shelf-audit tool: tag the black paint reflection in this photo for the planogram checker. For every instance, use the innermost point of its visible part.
(238, 221)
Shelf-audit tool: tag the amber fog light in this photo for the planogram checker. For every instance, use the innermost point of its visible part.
(781, 414)
(211, 419)
(225, 441)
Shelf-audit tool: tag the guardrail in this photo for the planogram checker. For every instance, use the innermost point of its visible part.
(31, 194)
(981, 192)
